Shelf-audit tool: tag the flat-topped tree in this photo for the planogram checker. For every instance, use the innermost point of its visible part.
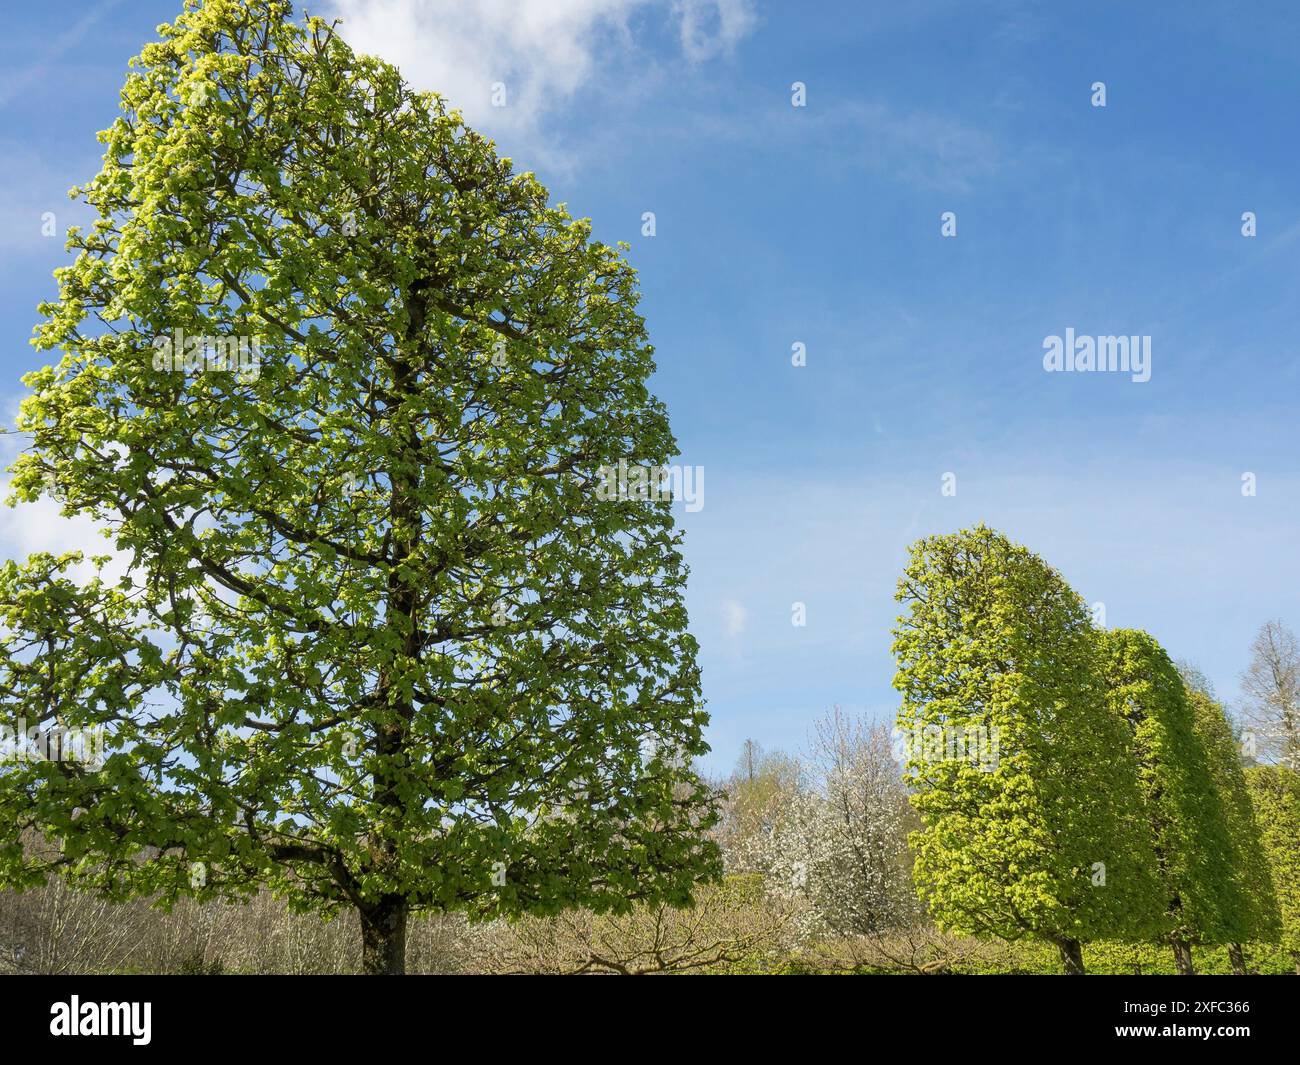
(382, 645)
(1024, 783)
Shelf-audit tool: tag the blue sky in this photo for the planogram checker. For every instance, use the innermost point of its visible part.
(821, 225)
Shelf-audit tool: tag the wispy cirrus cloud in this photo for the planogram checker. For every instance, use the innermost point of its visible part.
(910, 145)
(709, 28)
(15, 82)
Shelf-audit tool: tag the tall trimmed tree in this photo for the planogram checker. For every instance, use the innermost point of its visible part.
(1275, 797)
(994, 648)
(343, 388)
(1188, 827)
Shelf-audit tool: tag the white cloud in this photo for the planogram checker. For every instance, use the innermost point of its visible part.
(709, 28)
(27, 528)
(31, 527)
(735, 617)
(543, 53)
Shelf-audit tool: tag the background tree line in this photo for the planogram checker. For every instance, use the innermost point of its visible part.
(1119, 808)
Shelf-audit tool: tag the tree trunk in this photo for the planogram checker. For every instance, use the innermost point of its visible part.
(1238, 958)
(383, 938)
(1183, 958)
(1071, 951)
(1295, 957)
(383, 921)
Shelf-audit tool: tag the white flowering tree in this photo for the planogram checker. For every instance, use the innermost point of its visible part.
(840, 843)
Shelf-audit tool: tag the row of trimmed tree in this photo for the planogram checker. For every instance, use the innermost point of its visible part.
(1114, 806)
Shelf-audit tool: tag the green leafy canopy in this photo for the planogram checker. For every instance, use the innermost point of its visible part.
(379, 638)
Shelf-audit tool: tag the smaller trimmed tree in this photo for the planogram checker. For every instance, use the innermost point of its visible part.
(1275, 795)
(1254, 915)
(1183, 811)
